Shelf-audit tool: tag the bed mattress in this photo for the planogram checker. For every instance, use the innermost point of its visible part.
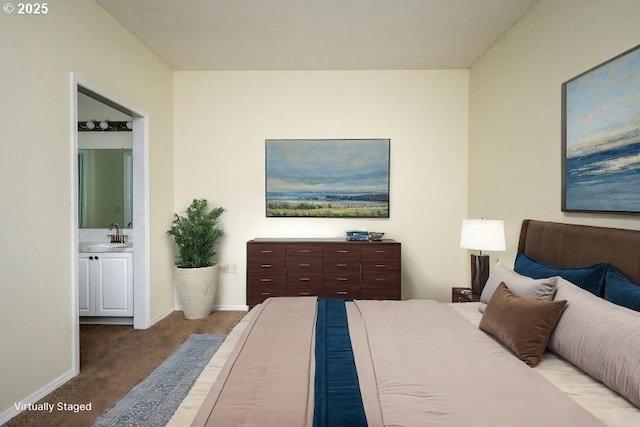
(456, 389)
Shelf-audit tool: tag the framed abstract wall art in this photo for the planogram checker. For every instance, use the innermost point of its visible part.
(327, 178)
(601, 137)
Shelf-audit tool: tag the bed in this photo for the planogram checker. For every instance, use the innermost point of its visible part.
(297, 361)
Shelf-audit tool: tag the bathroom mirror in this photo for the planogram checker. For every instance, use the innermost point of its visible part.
(105, 187)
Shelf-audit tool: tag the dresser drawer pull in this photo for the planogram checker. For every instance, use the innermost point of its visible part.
(380, 280)
(265, 251)
(304, 251)
(381, 252)
(265, 293)
(341, 292)
(341, 265)
(304, 279)
(265, 280)
(342, 251)
(304, 265)
(303, 293)
(342, 279)
(265, 265)
(381, 265)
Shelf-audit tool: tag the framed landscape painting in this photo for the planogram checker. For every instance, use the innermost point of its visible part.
(327, 178)
(601, 138)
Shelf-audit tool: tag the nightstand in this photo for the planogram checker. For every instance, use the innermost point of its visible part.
(463, 295)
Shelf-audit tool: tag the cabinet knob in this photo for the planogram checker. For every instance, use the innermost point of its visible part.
(91, 258)
(97, 257)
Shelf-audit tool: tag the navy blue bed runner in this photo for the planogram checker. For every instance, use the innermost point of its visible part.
(337, 399)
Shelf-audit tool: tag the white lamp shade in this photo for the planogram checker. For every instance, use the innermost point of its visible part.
(483, 235)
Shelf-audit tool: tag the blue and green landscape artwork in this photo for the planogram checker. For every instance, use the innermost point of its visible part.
(602, 116)
(327, 178)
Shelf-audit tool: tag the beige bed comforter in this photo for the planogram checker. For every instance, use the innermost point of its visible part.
(419, 363)
(433, 368)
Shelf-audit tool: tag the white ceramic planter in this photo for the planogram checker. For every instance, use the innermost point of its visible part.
(197, 290)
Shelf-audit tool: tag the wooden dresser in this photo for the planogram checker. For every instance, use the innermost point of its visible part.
(331, 268)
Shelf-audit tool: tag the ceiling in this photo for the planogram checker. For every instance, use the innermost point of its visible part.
(317, 34)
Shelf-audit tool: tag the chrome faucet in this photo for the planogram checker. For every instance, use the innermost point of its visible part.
(116, 238)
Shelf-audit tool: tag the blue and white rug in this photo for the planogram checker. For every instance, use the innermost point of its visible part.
(154, 400)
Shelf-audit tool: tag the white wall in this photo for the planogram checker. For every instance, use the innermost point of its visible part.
(223, 118)
(515, 109)
(38, 55)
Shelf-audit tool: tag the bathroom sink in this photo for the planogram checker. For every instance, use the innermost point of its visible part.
(92, 246)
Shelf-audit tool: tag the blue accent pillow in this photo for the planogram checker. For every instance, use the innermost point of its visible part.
(620, 290)
(589, 278)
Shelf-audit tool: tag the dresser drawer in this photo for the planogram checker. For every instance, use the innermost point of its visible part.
(381, 251)
(380, 268)
(344, 290)
(302, 249)
(341, 250)
(305, 265)
(304, 289)
(302, 278)
(265, 272)
(337, 266)
(266, 254)
(340, 277)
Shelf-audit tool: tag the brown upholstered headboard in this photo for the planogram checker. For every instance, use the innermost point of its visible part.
(570, 245)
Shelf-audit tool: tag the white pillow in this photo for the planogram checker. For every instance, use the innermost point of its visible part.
(522, 286)
(601, 338)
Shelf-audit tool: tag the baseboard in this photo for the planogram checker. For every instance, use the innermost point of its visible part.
(226, 307)
(33, 398)
(162, 316)
(106, 320)
(222, 307)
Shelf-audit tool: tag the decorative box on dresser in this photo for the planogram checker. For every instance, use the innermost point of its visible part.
(331, 268)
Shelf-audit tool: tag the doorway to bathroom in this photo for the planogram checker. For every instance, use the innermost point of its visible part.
(132, 211)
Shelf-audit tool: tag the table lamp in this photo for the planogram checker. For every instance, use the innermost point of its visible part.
(481, 235)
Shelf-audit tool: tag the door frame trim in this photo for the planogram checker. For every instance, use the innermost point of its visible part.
(140, 231)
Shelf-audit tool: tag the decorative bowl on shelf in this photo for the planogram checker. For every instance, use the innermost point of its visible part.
(375, 235)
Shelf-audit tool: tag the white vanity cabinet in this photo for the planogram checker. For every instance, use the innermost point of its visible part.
(105, 283)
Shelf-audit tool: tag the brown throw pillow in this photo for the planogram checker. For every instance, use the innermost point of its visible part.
(522, 325)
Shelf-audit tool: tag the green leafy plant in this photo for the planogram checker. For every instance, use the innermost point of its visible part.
(196, 234)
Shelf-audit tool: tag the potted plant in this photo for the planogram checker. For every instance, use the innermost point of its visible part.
(196, 235)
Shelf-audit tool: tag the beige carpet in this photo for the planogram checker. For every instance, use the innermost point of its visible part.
(113, 359)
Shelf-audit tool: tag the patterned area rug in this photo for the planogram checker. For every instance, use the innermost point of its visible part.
(152, 402)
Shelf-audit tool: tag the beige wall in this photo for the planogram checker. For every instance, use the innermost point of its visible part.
(515, 109)
(38, 56)
(223, 118)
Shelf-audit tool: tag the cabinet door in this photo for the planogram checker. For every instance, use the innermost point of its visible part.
(114, 285)
(86, 297)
